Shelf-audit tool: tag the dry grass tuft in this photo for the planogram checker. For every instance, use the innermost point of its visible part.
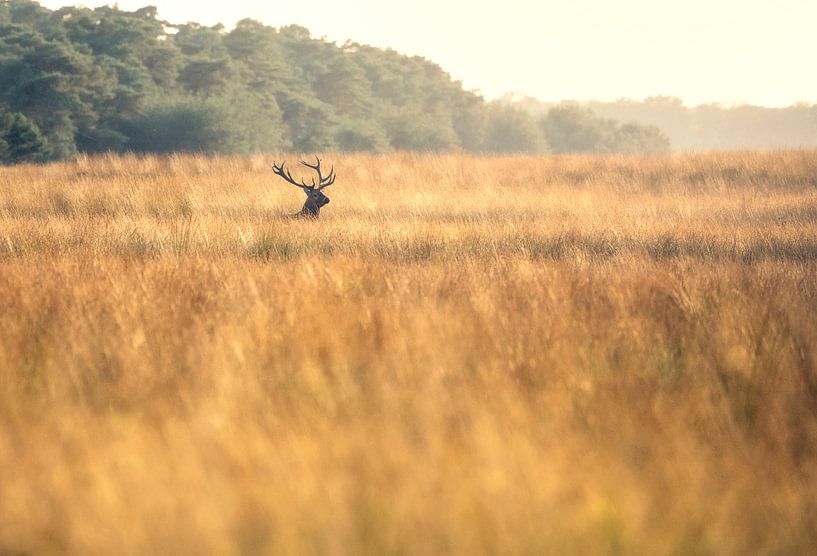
(469, 355)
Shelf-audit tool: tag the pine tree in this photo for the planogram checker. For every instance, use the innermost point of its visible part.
(20, 140)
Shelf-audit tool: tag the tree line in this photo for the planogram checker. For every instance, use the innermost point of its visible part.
(81, 80)
(703, 127)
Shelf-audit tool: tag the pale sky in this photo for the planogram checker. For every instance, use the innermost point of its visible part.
(729, 51)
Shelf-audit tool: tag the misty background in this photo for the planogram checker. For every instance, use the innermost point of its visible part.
(75, 79)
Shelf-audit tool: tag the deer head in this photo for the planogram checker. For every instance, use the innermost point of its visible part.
(315, 198)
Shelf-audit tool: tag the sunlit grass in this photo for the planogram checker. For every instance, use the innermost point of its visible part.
(464, 354)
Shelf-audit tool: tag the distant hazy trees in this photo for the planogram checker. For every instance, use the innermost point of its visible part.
(100, 80)
(565, 129)
(576, 129)
(708, 126)
(511, 129)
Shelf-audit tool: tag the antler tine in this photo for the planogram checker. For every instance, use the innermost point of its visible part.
(330, 179)
(283, 172)
(316, 166)
(322, 181)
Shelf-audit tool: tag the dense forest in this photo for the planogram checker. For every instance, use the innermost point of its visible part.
(704, 127)
(80, 80)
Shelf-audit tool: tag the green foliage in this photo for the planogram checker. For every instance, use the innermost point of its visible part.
(179, 125)
(469, 121)
(571, 128)
(575, 129)
(47, 80)
(20, 140)
(512, 130)
(310, 122)
(196, 124)
(105, 79)
(409, 131)
(355, 135)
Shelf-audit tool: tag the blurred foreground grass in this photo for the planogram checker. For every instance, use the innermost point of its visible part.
(468, 355)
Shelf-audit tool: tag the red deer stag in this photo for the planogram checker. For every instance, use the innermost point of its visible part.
(315, 198)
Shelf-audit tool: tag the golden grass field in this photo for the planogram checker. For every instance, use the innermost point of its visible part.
(469, 355)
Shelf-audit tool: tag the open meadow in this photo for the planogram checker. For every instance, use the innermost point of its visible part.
(464, 354)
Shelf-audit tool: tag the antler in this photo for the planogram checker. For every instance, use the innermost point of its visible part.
(284, 173)
(322, 181)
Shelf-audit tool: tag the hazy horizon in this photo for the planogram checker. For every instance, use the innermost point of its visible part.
(724, 52)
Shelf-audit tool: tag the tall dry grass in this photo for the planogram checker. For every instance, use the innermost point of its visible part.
(463, 355)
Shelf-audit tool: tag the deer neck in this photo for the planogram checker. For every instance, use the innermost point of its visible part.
(311, 209)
